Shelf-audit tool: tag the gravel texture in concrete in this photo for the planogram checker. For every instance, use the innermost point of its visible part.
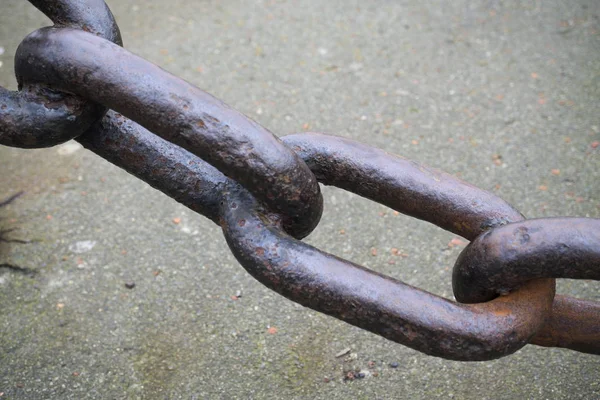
(503, 94)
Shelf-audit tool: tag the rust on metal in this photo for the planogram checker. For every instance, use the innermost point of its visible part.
(163, 165)
(179, 112)
(380, 304)
(401, 184)
(319, 280)
(573, 324)
(364, 298)
(264, 194)
(39, 115)
(504, 258)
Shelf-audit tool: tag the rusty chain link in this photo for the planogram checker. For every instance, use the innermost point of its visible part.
(264, 194)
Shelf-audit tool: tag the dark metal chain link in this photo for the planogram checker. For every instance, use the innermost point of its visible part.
(264, 194)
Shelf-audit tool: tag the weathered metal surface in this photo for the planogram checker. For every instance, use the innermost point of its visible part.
(322, 281)
(38, 115)
(573, 324)
(377, 303)
(401, 184)
(163, 165)
(261, 190)
(179, 112)
(504, 258)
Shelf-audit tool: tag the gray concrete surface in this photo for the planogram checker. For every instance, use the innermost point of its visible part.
(501, 93)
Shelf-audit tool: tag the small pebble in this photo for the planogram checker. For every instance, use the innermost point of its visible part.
(129, 285)
(394, 364)
(343, 352)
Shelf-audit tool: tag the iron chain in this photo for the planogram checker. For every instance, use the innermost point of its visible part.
(264, 193)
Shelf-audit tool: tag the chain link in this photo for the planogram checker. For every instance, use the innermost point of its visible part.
(264, 194)
(75, 61)
(38, 115)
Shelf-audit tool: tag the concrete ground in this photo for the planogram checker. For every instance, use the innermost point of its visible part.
(504, 94)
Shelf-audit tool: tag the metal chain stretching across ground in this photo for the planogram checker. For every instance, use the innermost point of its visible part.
(264, 194)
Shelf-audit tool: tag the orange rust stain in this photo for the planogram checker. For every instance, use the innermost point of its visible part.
(212, 119)
(502, 312)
